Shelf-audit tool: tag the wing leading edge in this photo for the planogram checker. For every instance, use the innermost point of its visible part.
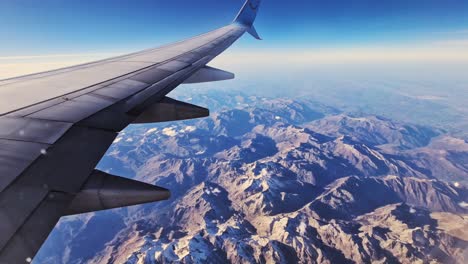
(55, 127)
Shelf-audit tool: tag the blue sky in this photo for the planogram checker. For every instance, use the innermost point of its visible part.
(48, 34)
(63, 26)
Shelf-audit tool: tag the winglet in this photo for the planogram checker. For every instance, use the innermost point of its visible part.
(252, 31)
(247, 15)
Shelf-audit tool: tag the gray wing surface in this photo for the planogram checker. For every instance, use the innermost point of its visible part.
(56, 126)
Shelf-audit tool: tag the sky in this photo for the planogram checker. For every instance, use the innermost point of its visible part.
(51, 33)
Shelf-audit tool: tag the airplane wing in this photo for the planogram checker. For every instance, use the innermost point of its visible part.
(55, 126)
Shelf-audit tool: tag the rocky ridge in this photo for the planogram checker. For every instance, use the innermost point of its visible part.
(282, 181)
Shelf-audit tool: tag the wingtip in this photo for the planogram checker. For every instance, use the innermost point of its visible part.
(252, 31)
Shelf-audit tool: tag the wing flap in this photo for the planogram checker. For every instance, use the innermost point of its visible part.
(63, 168)
(15, 157)
(16, 205)
(23, 245)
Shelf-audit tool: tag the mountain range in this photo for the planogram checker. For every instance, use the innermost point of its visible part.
(267, 180)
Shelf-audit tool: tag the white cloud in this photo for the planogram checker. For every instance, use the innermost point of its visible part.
(188, 129)
(169, 131)
(151, 130)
